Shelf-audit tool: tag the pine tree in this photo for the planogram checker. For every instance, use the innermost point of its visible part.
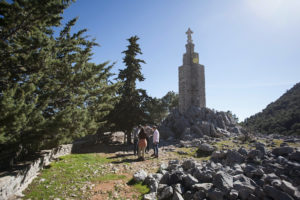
(50, 92)
(158, 108)
(129, 111)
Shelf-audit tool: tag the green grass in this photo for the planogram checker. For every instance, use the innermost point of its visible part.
(191, 152)
(224, 144)
(68, 176)
(139, 187)
(277, 142)
(295, 145)
(109, 177)
(143, 189)
(229, 144)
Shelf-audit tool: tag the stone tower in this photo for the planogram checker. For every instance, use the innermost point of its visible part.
(191, 78)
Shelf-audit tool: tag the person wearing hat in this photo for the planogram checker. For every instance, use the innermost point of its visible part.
(155, 141)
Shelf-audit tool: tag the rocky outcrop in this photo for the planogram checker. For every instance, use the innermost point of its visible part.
(198, 122)
(14, 182)
(232, 174)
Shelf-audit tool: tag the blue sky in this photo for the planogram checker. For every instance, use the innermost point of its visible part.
(250, 48)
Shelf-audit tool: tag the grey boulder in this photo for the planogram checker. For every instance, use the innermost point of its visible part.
(166, 193)
(223, 181)
(140, 176)
(282, 151)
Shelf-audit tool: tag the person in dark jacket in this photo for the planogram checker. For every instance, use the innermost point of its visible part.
(136, 132)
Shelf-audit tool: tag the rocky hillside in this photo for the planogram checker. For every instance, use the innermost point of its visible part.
(198, 122)
(281, 116)
(254, 171)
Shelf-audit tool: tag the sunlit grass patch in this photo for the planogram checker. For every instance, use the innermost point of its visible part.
(109, 177)
(188, 152)
(296, 145)
(224, 144)
(68, 177)
(139, 187)
(277, 142)
(203, 158)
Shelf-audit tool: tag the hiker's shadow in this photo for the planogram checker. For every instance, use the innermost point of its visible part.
(126, 160)
(119, 156)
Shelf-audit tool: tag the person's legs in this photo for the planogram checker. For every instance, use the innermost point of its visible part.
(156, 150)
(139, 151)
(135, 147)
(150, 142)
(153, 146)
(143, 152)
(147, 148)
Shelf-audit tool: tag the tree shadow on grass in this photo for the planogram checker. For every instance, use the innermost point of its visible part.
(82, 148)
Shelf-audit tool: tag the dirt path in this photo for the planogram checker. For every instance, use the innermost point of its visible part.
(126, 164)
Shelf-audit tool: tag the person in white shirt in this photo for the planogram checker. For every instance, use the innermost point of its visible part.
(155, 141)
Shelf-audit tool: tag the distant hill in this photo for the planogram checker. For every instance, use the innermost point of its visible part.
(281, 116)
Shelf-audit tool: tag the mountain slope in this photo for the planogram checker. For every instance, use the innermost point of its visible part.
(281, 116)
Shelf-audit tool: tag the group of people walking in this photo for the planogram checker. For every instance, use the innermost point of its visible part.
(142, 136)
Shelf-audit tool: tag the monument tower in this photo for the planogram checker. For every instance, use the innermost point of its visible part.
(191, 78)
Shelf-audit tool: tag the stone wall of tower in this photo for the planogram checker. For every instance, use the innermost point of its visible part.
(191, 80)
(198, 86)
(184, 88)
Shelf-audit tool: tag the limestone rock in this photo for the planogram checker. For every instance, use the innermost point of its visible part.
(223, 181)
(282, 151)
(188, 164)
(276, 194)
(205, 150)
(150, 196)
(199, 122)
(218, 155)
(233, 195)
(215, 194)
(140, 176)
(189, 180)
(234, 157)
(178, 188)
(288, 187)
(204, 176)
(176, 177)
(14, 183)
(203, 186)
(199, 195)
(166, 193)
(177, 196)
(295, 156)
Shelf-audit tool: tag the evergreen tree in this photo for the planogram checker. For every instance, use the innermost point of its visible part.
(49, 91)
(170, 101)
(158, 109)
(129, 111)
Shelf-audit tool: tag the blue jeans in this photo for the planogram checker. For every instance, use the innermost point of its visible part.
(155, 147)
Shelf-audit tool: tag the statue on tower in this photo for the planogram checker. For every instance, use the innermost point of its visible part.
(189, 35)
